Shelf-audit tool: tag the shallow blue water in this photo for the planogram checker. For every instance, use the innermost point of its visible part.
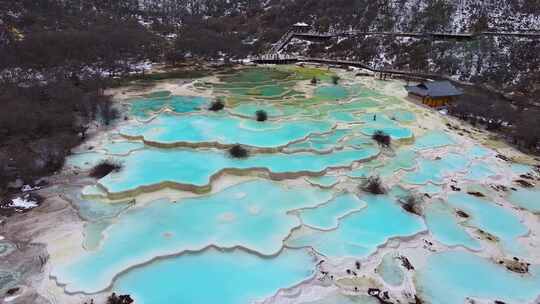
(179, 104)
(324, 181)
(215, 277)
(237, 216)
(361, 232)
(444, 225)
(327, 216)
(262, 215)
(122, 147)
(492, 218)
(343, 117)
(433, 139)
(431, 189)
(394, 132)
(390, 270)
(325, 142)
(451, 277)
(331, 92)
(526, 198)
(154, 166)
(479, 152)
(435, 170)
(380, 122)
(87, 160)
(249, 109)
(519, 169)
(168, 129)
(480, 171)
(354, 105)
(401, 116)
(342, 298)
(403, 160)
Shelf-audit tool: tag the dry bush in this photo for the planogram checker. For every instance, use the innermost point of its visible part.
(373, 185)
(261, 115)
(412, 204)
(237, 151)
(382, 138)
(216, 106)
(104, 168)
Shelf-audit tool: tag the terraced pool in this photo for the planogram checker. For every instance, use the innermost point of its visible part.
(184, 221)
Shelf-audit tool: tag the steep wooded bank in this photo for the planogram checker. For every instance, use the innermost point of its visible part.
(55, 64)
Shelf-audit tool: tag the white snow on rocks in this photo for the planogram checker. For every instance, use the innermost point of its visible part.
(23, 203)
(28, 188)
(10, 299)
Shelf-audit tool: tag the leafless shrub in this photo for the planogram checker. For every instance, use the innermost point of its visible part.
(382, 138)
(237, 151)
(412, 204)
(104, 168)
(373, 185)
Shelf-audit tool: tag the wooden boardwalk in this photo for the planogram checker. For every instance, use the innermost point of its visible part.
(535, 35)
(289, 35)
(273, 55)
(293, 59)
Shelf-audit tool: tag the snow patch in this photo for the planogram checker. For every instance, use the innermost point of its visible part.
(28, 188)
(9, 299)
(23, 203)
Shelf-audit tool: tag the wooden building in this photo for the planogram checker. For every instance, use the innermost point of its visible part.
(434, 93)
(301, 27)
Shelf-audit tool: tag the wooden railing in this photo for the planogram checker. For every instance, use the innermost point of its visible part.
(289, 35)
(278, 59)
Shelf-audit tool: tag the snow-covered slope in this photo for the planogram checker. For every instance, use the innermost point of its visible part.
(464, 14)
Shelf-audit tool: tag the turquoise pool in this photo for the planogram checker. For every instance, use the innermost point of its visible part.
(183, 221)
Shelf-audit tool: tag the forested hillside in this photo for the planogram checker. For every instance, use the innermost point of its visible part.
(56, 60)
(57, 56)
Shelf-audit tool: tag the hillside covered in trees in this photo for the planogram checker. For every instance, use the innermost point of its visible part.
(56, 61)
(58, 56)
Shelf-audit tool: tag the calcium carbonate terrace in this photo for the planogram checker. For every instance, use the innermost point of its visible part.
(242, 230)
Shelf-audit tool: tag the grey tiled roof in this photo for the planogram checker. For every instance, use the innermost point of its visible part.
(434, 89)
